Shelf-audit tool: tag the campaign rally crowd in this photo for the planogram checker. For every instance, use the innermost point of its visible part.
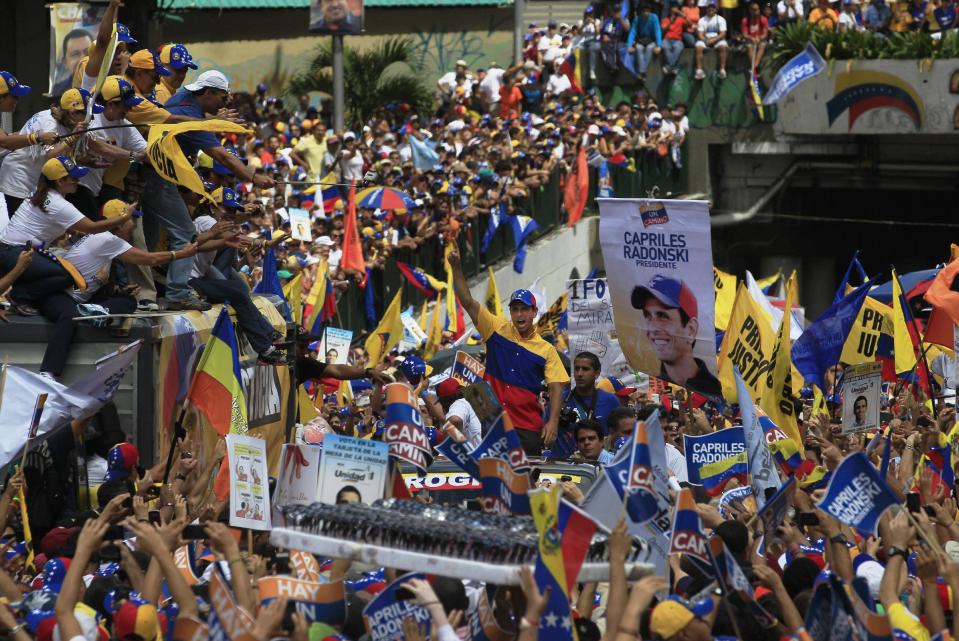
(710, 511)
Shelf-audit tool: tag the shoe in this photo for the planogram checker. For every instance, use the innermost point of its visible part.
(722, 74)
(147, 306)
(100, 315)
(272, 356)
(191, 303)
(25, 310)
(700, 74)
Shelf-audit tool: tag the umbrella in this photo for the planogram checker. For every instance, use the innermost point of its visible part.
(384, 198)
(444, 358)
(883, 293)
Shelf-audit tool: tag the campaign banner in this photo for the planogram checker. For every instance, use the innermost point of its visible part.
(298, 478)
(590, 326)
(323, 602)
(746, 347)
(73, 28)
(739, 498)
(711, 448)
(227, 621)
(803, 66)
(659, 261)
(773, 513)
(336, 18)
(357, 462)
(190, 629)
(458, 453)
(384, 615)
(762, 468)
(404, 428)
(467, 370)
(861, 387)
(640, 481)
(482, 623)
(249, 489)
(304, 565)
(687, 536)
(502, 442)
(856, 495)
(335, 345)
(300, 227)
(503, 487)
(732, 580)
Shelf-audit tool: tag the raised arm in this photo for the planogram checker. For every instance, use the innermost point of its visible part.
(104, 33)
(462, 289)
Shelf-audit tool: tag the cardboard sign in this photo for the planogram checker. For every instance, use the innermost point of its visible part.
(227, 620)
(384, 615)
(467, 370)
(300, 224)
(591, 328)
(860, 397)
(335, 345)
(358, 462)
(299, 476)
(316, 601)
(249, 489)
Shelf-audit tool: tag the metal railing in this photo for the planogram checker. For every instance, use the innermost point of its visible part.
(654, 175)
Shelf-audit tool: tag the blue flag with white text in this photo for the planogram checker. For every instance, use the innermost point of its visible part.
(856, 495)
(804, 65)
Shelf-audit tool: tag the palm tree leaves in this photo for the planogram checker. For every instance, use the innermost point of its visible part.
(374, 77)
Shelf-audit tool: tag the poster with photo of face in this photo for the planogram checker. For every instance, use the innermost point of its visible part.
(331, 17)
(861, 387)
(659, 265)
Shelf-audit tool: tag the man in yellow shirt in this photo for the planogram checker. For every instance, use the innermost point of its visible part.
(310, 151)
(824, 16)
(177, 60)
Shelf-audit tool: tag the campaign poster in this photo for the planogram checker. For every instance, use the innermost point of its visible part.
(299, 477)
(385, 613)
(590, 326)
(73, 28)
(249, 484)
(711, 448)
(358, 462)
(336, 17)
(300, 227)
(659, 265)
(467, 370)
(335, 345)
(861, 387)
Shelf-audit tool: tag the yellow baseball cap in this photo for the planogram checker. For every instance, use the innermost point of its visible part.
(62, 166)
(671, 616)
(146, 59)
(114, 208)
(76, 100)
(119, 88)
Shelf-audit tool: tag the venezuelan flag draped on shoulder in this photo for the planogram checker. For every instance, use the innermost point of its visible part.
(217, 389)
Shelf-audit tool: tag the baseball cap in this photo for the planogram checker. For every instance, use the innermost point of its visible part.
(118, 88)
(62, 166)
(448, 387)
(552, 24)
(114, 208)
(461, 63)
(121, 458)
(124, 35)
(212, 79)
(349, 135)
(672, 615)
(671, 292)
(523, 296)
(176, 56)
(76, 100)
(146, 59)
(593, 130)
(324, 241)
(136, 617)
(10, 85)
(225, 197)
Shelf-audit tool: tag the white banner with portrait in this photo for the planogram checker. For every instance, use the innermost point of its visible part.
(659, 264)
(73, 28)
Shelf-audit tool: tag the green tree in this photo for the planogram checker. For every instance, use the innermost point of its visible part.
(374, 77)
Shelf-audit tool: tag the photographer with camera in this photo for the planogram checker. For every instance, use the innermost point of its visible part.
(582, 402)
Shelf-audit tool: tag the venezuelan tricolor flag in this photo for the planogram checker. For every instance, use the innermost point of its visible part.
(422, 281)
(217, 388)
(716, 475)
(329, 192)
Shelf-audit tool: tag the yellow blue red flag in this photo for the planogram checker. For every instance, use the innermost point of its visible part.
(217, 388)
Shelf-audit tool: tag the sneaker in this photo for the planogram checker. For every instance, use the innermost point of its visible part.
(99, 314)
(272, 356)
(147, 306)
(700, 74)
(190, 303)
(722, 74)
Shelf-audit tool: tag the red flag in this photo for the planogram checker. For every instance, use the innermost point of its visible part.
(939, 328)
(577, 189)
(943, 292)
(352, 249)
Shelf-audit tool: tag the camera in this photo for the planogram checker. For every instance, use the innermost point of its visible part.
(568, 418)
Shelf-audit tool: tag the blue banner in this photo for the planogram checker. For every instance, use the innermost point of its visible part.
(458, 454)
(502, 444)
(384, 615)
(773, 513)
(804, 65)
(856, 495)
(711, 448)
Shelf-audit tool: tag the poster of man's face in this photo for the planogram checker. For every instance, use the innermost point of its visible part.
(336, 16)
(860, 406)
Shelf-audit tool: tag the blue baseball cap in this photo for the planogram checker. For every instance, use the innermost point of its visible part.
(9, 84)
(671, 292)
(523, 296)
(124, 35)
(225, 197)
(176, 56)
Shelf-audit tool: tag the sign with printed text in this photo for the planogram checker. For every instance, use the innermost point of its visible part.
(227, 621)
(467, 370)
(711, 448)
(413, 334)
(300, 227)
(659, 261)
(322, 602)
(590, 326)
(856, 495)
(358, 462)
(384, 615)
(335, 345)
(404, 428)
(861, 387)
(249, 489)
(299, 477)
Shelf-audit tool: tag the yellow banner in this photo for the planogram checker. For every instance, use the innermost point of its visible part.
(167, 158)
(776, 387)
(747, 344)
(872, 324)
(725, 286)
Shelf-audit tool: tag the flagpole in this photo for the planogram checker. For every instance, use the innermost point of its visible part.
(922, 348)
(732, 616)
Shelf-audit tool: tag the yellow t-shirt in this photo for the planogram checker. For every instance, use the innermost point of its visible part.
(164, 91)
(902, 619)
(312, 152)
(901, 18)
(824, 18)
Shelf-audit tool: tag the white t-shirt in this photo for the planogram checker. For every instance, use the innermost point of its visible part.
(4, 216)
(711, 27)
(20, 170)
(97, 468)
(676, 463)
(490, 86)
(92, 255)
(333, 260)
(203, 260)
(558, 83)
(472, 427)
(124, 137)
(31, 224)
(848, 21)
(447, 81)
(790, 12)
(352, 168)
